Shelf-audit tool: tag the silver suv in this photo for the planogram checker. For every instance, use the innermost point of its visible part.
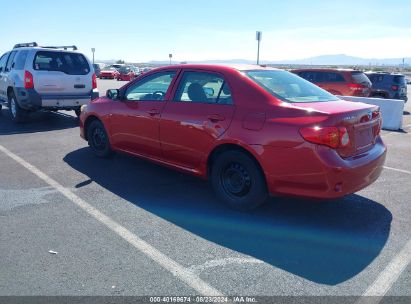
(51, 78)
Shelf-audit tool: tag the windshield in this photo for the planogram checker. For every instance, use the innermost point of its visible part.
(289, 87)
(124, 70)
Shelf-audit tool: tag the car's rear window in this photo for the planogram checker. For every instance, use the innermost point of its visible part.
(289, 87)
(360, 77)
(400, 79)
(69, 63)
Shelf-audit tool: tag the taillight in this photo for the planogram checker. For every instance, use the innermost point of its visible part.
(356, 86)
(28, 80)
(333, 137)
(377, 128)
(394, 87)
(94, 81)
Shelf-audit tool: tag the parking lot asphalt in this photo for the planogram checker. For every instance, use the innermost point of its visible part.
(123, 226)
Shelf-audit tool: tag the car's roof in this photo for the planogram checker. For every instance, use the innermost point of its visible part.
(39, 48)
(219, 67)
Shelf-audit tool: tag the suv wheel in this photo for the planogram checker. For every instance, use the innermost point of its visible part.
(98, 139)
(238, 181)
(78, 112)
(17, 113)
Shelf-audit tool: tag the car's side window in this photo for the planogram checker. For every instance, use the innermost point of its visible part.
(10, 61)
(334, 77)
(3, 60)
(153, 87)
(203, 87)
(20, 60)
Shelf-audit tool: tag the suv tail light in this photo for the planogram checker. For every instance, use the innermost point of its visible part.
(356, 86)
(94, 81)
(333, 137)
(28, 80)
(394, 87)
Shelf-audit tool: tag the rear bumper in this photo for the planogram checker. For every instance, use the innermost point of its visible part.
(111, 76)
(326, 175)
(30, 99)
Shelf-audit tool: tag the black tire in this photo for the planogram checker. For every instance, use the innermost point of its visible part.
(98, 139)
(78, 112)
(238, 181)
(17, 113)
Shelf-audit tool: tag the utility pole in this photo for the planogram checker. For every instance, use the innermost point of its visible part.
(258, 38)
(170, 56)
(93, 50)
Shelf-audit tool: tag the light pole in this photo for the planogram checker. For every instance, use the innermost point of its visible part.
(258, 35)
(170, 56)
(93, 50)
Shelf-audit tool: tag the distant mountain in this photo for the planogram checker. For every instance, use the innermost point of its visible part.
(342, 59)
(337, 60)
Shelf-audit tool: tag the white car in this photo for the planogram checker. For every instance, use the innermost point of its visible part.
(51, 78)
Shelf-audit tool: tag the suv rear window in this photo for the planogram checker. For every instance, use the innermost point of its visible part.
(360, 77)
(400, 79)
(69, 63)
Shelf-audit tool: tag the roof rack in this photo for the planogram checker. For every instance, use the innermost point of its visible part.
(64, 47)
(27, 44)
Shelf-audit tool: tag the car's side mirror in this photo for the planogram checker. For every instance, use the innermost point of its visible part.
(113, 94)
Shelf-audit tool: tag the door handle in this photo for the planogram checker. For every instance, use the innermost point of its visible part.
(153, 112)
(215, 117)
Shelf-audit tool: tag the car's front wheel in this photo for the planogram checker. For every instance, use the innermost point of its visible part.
(17, 113)
(98, 139)
(238, 181)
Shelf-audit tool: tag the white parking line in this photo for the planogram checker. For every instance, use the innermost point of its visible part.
(398, 170)
(388, 276)
(164, 261)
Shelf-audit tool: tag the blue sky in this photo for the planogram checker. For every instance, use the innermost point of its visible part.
(141, 31)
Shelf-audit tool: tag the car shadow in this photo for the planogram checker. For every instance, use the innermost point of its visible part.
(41, 121)
(326, 242)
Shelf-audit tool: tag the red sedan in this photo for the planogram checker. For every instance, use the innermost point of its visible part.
(126, 74)
(253, 131)
(109, 73)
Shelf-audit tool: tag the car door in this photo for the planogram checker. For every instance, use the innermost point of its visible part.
(134, 122)
(199, 113)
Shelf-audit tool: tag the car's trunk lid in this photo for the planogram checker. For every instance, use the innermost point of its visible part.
(362, 121)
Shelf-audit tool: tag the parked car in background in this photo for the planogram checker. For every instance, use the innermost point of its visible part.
(126, 73)
(145, 70)
(252, 131)
(45, 78)
(109, 72)
(386, 85)
(338, 81)
(97, 69)
(408, 81)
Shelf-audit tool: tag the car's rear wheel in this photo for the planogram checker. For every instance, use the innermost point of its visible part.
(98, 139)
(17, 113)
(238, 181)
